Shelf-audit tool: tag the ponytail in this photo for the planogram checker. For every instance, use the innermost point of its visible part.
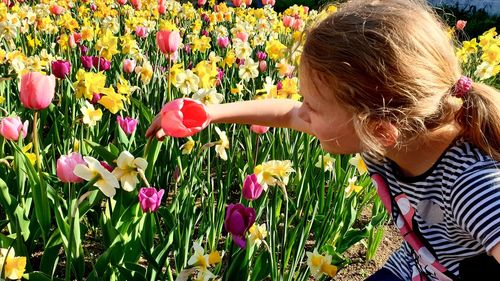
(479, 118)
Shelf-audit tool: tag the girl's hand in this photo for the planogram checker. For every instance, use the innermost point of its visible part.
(180, 118)
(155, 129)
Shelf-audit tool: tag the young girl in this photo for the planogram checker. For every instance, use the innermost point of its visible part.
(381, 78)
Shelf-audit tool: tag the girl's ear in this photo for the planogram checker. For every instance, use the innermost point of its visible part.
(386, 133)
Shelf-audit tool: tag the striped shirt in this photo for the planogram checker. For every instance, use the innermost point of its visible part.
(456, 202)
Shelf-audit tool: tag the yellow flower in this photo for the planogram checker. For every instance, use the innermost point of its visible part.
(257, 234)
(202, 262)
(187, 147)
(486, 39)
(11, 266)
(208, 96)
(201, 44)
(492, 54)
(2, 99)
(88, 83)
(106, 182)
(274, 172)
(124, 88)
(352, 187)
(284, 68)
(230, 59)
(242, 49)
(129, 45)
(174, 70)
(207, 73)
(485, 71)
(222, 144)
(106, 45)
(146, 72)
(358, 162)
(127, 169)
(111, 100)
(90, 115)
(187, 82)
(319, 265)
(327, 162)
(470, 47)
(31, 156)
(275, 49)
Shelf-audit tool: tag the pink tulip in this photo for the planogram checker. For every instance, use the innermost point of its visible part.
(223, 42)
(243, 36)
(238, 220)
(128, 65)
(61, 68)
(306, 9)
(259, 129)
(37, 90)
(150, 199)
(201, 2)
(460, 25)
(141, 31)
(248, 3)
(93, 7)
(66, 165)
(12, 127)
(162, 9)
(184, 117)
(268, 2)
(251, 188)
(128, 124)
(297, 24)
(137, 4)
(168, 41)
(121, 2)
(262, 66)
(56, 9)
(288, 21)
(261, 55)
(237, 3)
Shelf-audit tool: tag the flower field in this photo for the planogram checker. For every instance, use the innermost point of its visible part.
(85, 195)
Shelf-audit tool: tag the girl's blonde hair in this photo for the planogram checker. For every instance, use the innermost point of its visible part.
(392, 60)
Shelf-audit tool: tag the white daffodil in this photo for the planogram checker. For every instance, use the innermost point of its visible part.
(208, 96)
(222, 144)
(358, 162)
(242, 49)
(202, 262)
(319, 264)
(249, 70)
(352, 187)
(327, 162)
(187, 82)
(128, 168)
(106, 181)
(257, 233)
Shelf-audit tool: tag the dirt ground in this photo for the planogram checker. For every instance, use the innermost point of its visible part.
(359, 270)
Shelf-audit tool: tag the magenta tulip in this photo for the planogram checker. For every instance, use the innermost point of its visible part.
(168, 41)
(12, 127)
(251, 188)
(61, 68)
(65, 166)
(101, 63)
(150, 199)
(37, 90)
(127, 124)
(87, 62)
(238, 220)
(184, 117)
(223, 42)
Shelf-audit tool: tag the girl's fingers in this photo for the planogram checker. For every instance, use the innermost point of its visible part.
(160, 134)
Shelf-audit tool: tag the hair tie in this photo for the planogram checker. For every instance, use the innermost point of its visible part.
(462, 87)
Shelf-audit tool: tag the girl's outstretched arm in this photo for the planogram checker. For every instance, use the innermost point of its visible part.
(280, 113)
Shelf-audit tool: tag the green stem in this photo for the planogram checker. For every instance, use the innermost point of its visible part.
(71, 223)
(43, 189)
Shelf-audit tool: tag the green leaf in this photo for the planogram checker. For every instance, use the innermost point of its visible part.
(107, 155)
(262, 267)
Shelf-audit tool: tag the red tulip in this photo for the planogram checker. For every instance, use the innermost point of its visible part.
(184, 117)
(12, 127)
(137, 4)
(56, 9)
(65, 166)
(238, 220)
(259, 129)
(268, 2)
(251, 188)
(460, 25)
(168, 41)
(237, 3)
(37, 90)
(122, 2)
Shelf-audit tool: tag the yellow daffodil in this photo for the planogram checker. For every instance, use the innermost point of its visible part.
(145, 71)
(352, 187)
(275, 49)
(257, 234)
(11, 267)
(90, 115)
(128, 168)
(106, 45)
(358, 162)
(111, 100)
(274, 172)
(88, 83)
(2, 99)
(201, 44)
(492, 54)
(319, 265)
(187, 147)
(106, 181)
(230, 59)
(174, 70)
(202, 262)
(327, 162)
(31, 156)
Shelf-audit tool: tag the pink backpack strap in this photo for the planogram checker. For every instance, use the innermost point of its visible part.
(403, 214)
